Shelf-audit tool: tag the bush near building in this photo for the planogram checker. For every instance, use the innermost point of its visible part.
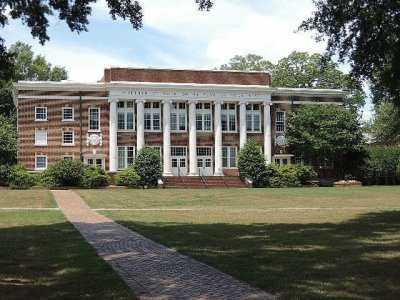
(128, 178)
(290, 175)
(148, 166)
(94, 177)
(20, 179)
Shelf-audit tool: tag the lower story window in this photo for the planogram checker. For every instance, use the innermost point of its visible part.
(99, 162)
(68, 157)
(229, 157)
(41, 162)
(126, 155)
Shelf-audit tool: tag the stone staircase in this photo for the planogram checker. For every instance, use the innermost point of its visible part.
(207, 182)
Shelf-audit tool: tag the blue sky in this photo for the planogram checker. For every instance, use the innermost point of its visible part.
(176, 35)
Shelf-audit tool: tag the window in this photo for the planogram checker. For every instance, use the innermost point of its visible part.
(68, 138)
(40, 113)
(68, 114)
(228, 117)
(178, 116)
(229, 157)
(68, 157)
(280, 121)
(203, 117)
(152, 116)
(158, 149)
(178, 151)
(40, 138)
(126, 155)
(283, 159)
(125, 113)
(98, 162)
(94, 119)
(253, 117)
(41, 162)
(203, 151)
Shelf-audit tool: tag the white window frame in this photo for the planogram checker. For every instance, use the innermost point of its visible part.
(279, 123)
(150, 110)
(178, 112)
(125, 111)
(63, 143)
(99, 119)
(125, 164)
(36, 138)
(201, 113)
(36, 113)
(229, 157)
(278, 159)
(251, 115)
(36, 162)
(228, 112)
(95, 158)
(63, 114)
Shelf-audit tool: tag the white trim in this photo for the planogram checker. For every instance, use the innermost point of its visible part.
(94, 130)
(36, 144)
(73, 138)
(41, 120)
(39, 169)
(55, 97)
(73, 114)
(306, 102)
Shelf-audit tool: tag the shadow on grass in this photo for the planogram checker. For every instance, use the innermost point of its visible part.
(54, 262)
(357, 259)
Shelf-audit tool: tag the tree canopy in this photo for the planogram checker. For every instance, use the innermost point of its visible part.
(386, 125)
(249, 62)
(8, 141)
(367, 34)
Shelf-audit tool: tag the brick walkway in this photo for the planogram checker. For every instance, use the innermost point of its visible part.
(152, 270)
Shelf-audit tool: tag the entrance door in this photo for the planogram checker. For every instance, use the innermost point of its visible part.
(179, 161)
(204, 161)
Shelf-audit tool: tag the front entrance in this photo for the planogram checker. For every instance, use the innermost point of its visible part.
(179, 161)
(204, 161)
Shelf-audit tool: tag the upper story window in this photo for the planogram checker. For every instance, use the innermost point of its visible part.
(68, 114)
(253, 117)
(41, 137)
(125, 112)
(152, 116)
(228, 117)
(94, 119)
(178, 116)
(40, 113)
(203, 117)
(280, 121)
(68, 138)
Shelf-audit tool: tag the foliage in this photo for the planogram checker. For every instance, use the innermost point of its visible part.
(252, 165)
(386, 126)
(20, 179)
(46, 178)
(64, 173)
(249, 62)
(148, 166)
(94, 177)
(289, 175)
(8, 141)
(6, 172)
(325, 132)
(128, 178)
(366, 33)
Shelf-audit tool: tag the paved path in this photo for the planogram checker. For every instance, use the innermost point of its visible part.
(152, 270)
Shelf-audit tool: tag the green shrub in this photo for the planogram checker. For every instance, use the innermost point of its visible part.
(93, 177)
(305, 173)
(67, 172)
(289, 175)
(252, 165)
(128, 178)
(21, 179)
(148, 166)
(46, 178)
(5, 174)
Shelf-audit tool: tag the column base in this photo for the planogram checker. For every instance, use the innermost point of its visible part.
(167, 174)
(193, 174)
(218, 174)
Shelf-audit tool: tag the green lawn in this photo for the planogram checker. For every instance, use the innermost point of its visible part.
(327, 243)
(42, 256)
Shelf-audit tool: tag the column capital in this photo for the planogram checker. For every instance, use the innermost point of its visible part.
(140, 101)
(243, 102)
(218, 102)
(267, 103)
(193, 101)
(166, 101)
(113, 100)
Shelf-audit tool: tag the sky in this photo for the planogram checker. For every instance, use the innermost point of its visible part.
(176, 35)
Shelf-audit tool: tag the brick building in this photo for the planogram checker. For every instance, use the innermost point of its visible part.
(198, 120)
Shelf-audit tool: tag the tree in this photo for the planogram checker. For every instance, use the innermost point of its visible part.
(252, 165)
(367, 34)
(386, 125)
(319, 132)
(249, 62)
(34, 14)
(8, 141)
(148, 166)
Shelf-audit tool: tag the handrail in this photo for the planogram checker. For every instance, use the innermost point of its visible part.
(203, 178)
(223, 177)
(181, 177)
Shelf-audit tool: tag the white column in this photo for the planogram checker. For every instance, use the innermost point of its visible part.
(167, 138)
(242, 123)
(267, 132)
(192, 139)
(113, 166)
(217, 139)
(140, 125)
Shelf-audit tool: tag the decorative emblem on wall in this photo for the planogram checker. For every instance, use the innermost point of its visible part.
(280, 141)
(94, 139)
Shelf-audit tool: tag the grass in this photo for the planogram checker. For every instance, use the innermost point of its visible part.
(26, 198)
(42, 256)
(349, 249)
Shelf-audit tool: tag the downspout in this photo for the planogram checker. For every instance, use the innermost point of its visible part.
(80, 125)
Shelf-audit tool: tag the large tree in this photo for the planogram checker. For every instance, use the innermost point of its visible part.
(386, 125)
(249, 62)
(34, 14)
(367, 34)
(8, 141)
(331, 132)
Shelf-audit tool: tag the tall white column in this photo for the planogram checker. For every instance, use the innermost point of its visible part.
(192, 139)
(217, 139)
(267, 132)
(167, 138)
(113, 151)
(140, 125)
(242, 123)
